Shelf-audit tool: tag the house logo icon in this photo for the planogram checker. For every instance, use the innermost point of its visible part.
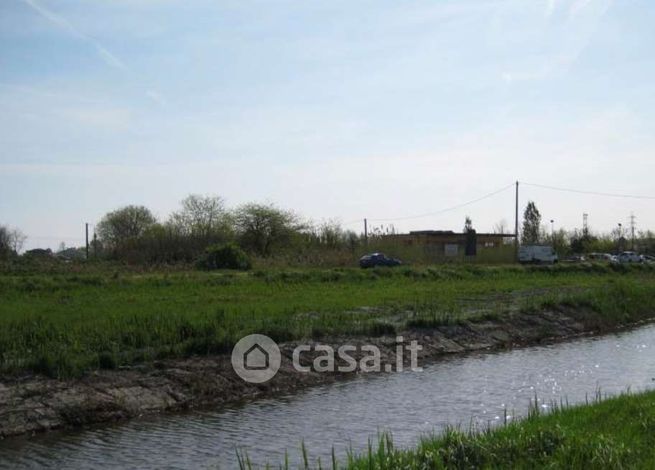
(256, 358)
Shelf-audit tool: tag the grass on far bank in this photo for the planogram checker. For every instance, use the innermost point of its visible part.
(66, 324)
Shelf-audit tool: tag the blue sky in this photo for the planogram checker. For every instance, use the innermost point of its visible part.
(335, 109)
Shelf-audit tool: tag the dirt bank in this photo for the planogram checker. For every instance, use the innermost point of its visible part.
(32, 404)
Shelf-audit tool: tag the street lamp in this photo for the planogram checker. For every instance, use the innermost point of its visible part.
(618, 242)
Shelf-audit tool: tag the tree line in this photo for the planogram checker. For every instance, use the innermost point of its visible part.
(580, 241)
(133, 233)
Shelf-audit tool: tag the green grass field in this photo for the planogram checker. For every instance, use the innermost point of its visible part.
(64, 324)
(611, 434)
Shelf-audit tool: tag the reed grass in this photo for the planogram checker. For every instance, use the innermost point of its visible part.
(603, 433)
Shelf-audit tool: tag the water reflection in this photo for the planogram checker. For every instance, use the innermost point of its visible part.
(477, 388)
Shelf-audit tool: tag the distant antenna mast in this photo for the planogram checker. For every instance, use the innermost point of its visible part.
(585, 224)
(633, 224)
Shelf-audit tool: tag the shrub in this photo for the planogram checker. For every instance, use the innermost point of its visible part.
(228, 256)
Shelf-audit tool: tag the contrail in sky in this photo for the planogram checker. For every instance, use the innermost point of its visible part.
(109, 58)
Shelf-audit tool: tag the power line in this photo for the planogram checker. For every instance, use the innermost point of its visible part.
(543, 186)
(352, 222)
(458, 206)
(580, 191)
(35, 237)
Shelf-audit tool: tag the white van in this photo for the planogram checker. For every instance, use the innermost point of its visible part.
(537, 254)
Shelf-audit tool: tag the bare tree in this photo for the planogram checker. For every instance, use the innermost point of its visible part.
(11, 241)
(17, 239)
(331, 234)
(501, 227)
(202, 216)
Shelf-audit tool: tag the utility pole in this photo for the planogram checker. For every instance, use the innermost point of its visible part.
(366, 232)
(516, 224)
(585, 225)
(87, 240)
(632, 229)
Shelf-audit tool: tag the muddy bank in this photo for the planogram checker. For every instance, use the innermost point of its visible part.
(33, 404)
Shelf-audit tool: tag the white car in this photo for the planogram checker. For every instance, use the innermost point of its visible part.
(629, 257)
(537, 254)
(601, 257)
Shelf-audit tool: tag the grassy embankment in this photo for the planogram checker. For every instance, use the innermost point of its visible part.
(614, 433)
(66, 324)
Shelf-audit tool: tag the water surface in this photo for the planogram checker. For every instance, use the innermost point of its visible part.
(476, 388)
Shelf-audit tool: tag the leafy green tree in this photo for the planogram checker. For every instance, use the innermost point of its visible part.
(530, 234)
(603, 243)
(471, 238)
(262, 228)
(559, 240)
(646, 242)
(228, 256)
(5, 242)
(582, 241)
(124, 224)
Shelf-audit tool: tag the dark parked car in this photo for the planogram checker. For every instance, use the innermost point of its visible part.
(378, 259)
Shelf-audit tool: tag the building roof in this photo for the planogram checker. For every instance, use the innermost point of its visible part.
(451, 233)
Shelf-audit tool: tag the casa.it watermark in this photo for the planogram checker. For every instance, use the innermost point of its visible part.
(257, 358)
